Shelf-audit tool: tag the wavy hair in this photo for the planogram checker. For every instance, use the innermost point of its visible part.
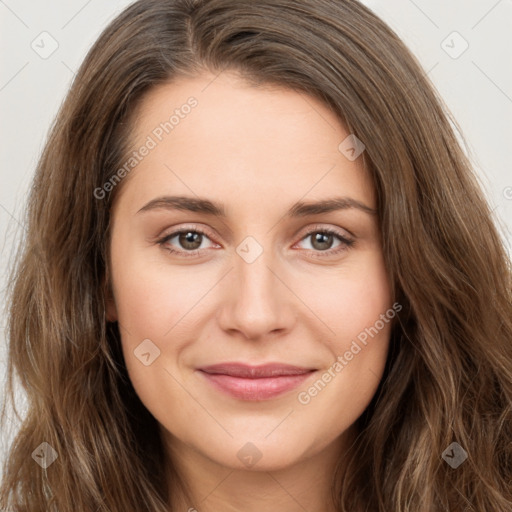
(448, 376)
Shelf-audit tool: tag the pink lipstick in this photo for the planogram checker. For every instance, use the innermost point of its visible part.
(248, 382)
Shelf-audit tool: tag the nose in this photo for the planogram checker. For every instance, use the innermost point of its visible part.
(256, 301)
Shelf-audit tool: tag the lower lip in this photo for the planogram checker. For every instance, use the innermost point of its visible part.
(255, 389)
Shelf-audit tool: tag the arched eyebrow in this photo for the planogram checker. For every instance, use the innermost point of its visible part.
(299, 209)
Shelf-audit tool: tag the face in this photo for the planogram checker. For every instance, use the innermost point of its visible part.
(254, 325)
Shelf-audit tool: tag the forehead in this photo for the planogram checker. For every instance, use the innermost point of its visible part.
(218, 134)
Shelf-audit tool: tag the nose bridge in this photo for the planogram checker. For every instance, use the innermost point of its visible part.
(254, 280)
(256, 302)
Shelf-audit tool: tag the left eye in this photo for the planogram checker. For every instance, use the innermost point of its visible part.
(322, 240)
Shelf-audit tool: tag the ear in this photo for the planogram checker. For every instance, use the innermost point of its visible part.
(110, 303)
(110, 309)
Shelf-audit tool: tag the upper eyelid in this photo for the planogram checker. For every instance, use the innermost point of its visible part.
(172, 232)
(323, 227)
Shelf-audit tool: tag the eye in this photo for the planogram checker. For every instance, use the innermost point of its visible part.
(322, 241)
(185, 241)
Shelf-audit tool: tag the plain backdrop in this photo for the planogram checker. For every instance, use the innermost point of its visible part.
(463, 45)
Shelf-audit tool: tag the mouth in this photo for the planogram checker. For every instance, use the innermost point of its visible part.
(255, 383)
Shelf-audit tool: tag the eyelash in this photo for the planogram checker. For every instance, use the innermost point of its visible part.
(346, 243)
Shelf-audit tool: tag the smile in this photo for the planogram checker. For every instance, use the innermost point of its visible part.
(255, 383)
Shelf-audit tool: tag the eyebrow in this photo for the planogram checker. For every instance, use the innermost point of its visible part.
(299, 209)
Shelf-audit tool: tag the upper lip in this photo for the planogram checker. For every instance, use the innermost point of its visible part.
(247, 371)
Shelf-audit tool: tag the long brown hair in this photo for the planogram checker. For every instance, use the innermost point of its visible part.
(449, 372)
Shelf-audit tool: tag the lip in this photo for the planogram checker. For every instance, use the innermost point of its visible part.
(250, 382)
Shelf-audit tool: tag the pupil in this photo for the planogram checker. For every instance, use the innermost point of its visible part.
(190, 239)
(323, 239)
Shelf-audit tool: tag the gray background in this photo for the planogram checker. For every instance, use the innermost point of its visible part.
(476, 85)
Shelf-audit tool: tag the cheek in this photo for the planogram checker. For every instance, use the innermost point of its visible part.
(344, 390)
(357, 306)
(351, 299)
(151, 298)
(152, 306)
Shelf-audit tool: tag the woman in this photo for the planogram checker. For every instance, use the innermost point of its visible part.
(258, 275)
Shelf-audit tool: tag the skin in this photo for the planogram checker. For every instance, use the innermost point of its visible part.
(256, 150)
